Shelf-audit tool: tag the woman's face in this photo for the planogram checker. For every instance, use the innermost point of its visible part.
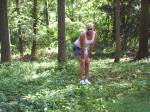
(89, 29)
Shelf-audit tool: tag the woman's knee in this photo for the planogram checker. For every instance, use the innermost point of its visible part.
(87, 61)
(82, 61)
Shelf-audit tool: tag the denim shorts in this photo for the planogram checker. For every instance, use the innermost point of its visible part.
(77, 51)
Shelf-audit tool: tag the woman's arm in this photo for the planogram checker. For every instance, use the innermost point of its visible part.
(92, 46)
(82, 38)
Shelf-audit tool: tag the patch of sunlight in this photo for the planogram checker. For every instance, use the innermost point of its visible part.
(144, 60)
(122, 84)
(45, 64)
(34, 75)
(29, 97)
(27, 77)
(70, 87)
(47, 93)
(51, 50)
(125, 84)
(52, 93)
(44, 94)
(139, 71)
(125, 59)
(102, 63)
(15, 56)
(108, 60)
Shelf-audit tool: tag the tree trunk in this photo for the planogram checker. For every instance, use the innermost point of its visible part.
(33, 50)
(61, 32)
(72, 10)
(143, 40)
(4, 32)
(46, 13)
(117, 33)
(47, 19)
(21, 42)
(123, 23)
(20, 33)
(114, 21)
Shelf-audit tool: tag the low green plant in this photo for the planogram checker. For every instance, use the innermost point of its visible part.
(43, 85)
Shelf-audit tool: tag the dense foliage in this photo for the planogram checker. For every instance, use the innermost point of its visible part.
(77, 15)
(44, 85)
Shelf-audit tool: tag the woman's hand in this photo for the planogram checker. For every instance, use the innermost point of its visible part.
(87, 59)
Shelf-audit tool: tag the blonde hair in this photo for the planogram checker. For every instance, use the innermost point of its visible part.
(90, 24)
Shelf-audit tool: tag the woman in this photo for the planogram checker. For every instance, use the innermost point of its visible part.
(83, 47)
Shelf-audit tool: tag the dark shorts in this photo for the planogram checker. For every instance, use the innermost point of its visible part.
(77, 51)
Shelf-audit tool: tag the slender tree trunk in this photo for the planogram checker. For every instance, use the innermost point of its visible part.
(20, 33)
(47, 19)
(46, 13)
(4, 32)
(114, 20)
(143, 40)
(33, 50)
(117, 33)
(72, 10)
(21, 42)
(61, 32)
(123, 23)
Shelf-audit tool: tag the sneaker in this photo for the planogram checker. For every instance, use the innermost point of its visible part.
(87, 81)
(82, 82)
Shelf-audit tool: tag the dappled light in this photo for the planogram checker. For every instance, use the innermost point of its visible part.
(74, 56)
(40, 85)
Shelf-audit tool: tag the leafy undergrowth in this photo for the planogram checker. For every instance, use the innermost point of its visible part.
(47, 87)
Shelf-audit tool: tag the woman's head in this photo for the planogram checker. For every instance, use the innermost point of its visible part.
(90, 27)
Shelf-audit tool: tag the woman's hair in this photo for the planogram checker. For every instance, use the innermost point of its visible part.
(90, 24)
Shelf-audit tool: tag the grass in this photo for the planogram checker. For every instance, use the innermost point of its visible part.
(43, 86)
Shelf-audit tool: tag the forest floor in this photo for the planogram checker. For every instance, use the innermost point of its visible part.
(43, 86)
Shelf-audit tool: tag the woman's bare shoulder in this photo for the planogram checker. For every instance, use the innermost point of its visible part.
(82, 34)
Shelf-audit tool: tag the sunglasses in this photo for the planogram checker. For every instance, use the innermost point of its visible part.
(89, 29)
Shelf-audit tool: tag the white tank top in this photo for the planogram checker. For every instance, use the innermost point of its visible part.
(87, 42)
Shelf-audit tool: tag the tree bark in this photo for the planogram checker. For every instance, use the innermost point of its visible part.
(20, 33)
(61, 32)
(72, 10)
(33, 50)
(123, 23)
(114, 21)
(117, 33)
(4, 32)
(46, 13)
(143, 40)
(47, 19)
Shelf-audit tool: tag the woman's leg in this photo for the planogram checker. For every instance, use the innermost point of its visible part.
(82, 68)
(87, 64)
